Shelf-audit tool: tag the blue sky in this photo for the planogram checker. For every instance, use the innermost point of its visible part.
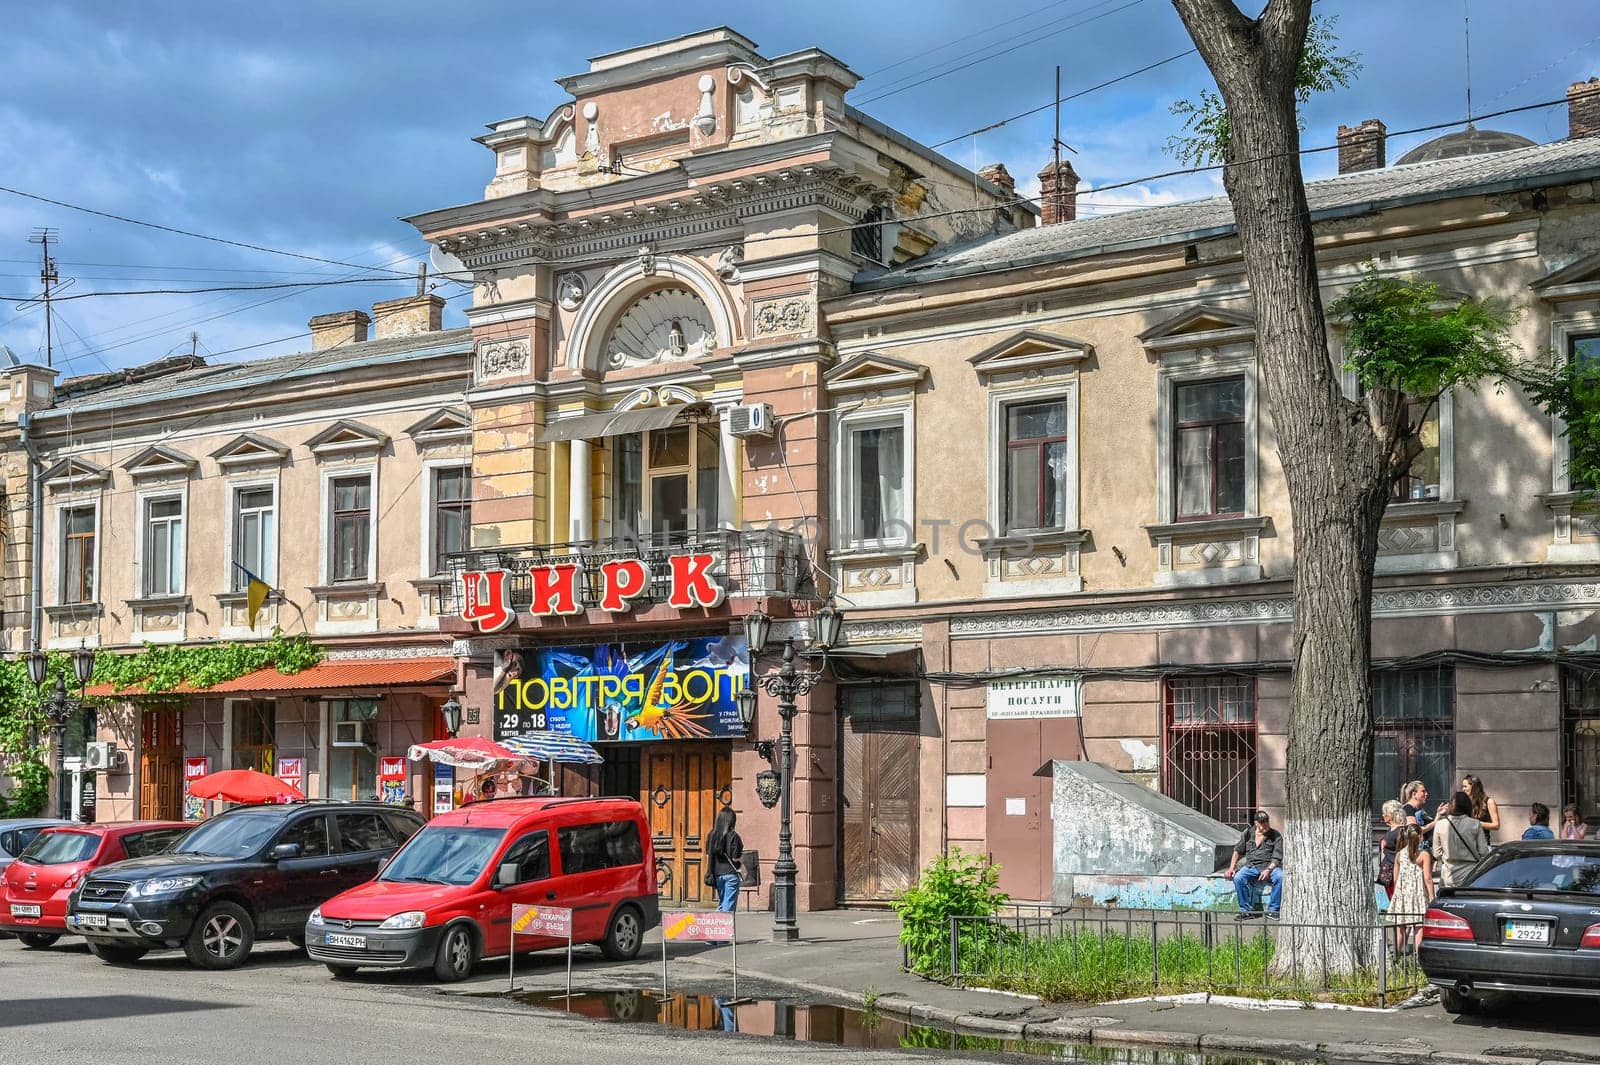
(313, 127)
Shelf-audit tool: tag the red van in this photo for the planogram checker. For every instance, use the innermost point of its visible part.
(445, 899)
(34, 889)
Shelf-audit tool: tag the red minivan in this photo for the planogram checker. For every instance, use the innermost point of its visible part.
(445, 899)
(34, 889)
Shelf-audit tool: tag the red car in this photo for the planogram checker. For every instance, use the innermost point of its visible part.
(445, 899)
(34, 889)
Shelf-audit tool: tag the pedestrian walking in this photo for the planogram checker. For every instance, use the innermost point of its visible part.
(1538, 823)
(1573, 825)
(1413, 889)
(1460, 842)
(723, 851)
(1485, 809)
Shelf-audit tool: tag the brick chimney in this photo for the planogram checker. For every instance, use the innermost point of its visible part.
(1058, 193)
(997, 174)
(407, 316)
(1362, 147)
(340, 327)
(1583, 108)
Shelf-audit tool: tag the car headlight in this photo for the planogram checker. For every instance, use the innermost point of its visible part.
(164, 886)
(316, 916)
(409, 919)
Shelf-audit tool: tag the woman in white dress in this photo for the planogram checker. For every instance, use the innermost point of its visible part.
(1413, 889)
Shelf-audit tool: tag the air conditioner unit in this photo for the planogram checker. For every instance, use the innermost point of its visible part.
(752, 419)
(99, 756)
(352, 734)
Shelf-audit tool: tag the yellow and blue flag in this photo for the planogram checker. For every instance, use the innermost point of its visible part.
(256, 591)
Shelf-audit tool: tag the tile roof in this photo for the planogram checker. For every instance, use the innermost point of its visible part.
(1344, 195)
(343, 675)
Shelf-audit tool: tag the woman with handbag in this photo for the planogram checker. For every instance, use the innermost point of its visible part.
(1460, 841)
(723, 851)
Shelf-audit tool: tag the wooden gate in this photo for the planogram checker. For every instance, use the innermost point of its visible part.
(161, 764)
(878, 789)
(682, 786)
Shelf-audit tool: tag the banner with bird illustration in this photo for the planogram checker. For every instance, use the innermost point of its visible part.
(673, 690)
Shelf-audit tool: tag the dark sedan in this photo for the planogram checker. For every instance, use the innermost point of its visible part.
(1526, 921)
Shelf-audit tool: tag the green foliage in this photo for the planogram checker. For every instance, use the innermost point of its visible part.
(30, 792)
(1408, 336)
(1569, 389)
(1205, 136)
(159, 668)
(954, 885)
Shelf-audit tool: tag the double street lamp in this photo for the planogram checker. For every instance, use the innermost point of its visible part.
(786, 685)
(58, 706)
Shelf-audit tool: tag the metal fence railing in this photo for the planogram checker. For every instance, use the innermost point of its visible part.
(1093, 954)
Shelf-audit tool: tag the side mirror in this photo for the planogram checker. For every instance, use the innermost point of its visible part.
(285, 850)
(383, 863)
(506, 875)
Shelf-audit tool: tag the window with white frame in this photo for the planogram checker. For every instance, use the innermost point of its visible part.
(875, 482)
(255, 532)
(1037, 466)
(163, 545)
(1584, 348)
(350, 528)
(451, 525)
(78, 554)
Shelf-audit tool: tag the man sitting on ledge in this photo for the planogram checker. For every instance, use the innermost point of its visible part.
(1261, 850)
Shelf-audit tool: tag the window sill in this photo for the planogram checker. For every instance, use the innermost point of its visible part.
(74, 610)
(1399, 510)
(876, 552)
(368, 589)
(1570, 500)
(430, 584)
(1205, 527)
(1010, 543)
(161, 602)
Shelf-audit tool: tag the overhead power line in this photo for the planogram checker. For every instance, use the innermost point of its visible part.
(216, 288)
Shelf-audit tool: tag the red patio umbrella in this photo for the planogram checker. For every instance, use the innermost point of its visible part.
(243, 785)
(468, 752)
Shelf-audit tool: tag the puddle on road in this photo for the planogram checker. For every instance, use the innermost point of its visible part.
(833, 1025)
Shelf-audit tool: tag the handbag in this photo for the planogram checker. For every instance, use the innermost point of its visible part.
(1385, 869)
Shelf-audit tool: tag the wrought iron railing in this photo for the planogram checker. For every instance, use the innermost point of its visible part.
(749, 563)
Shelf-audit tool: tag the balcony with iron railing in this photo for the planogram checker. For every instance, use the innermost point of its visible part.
(750, 564)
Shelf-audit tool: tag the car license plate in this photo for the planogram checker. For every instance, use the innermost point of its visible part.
(91, 920)
(1527, 932)
(336, 939)
(19, 910)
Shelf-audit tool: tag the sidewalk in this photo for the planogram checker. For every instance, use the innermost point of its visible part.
(854, 955)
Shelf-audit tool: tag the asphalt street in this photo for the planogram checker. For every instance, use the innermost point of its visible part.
(63, 1005)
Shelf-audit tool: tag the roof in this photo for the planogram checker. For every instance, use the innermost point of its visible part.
(138, 691)
(503, 813)
(231, 376)
(344, 674)
(1469, 141)
(1346, 195)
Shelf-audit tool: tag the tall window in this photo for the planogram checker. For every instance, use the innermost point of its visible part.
(353, 758)
(351, 523)
(77, 555)
(254, 734)
(1421, 481)
(1209, 761)
(1583, 348)
(452, 513)
(1037, 453)
(866, 239)
(1580, 740)
(876, 487)
(1414, 738)
(163, 546)
(666, 481)
(255, 545)
(1210, 439)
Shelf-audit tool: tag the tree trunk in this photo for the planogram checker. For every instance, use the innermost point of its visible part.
(1337, 476)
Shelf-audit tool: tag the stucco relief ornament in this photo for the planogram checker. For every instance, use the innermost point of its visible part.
(647, 260)
(570, 291)
(591, 140)
(705, 118)
(728, 262)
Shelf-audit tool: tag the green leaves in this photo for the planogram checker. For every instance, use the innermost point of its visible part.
(1569, 389)
(954, 885)
(161, 667)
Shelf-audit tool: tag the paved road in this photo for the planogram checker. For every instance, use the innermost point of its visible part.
(64, 1005)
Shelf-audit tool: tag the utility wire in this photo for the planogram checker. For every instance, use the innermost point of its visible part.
(216, 288)
(965, 39)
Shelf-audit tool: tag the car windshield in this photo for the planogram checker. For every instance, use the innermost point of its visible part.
(230, 836)
(59, 848)
(1549, 871)
(444, 855)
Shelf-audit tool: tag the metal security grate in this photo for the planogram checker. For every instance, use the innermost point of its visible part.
(1580, 740)
(1209, 753)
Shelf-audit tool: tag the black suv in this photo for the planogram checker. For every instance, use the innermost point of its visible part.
(254, 872)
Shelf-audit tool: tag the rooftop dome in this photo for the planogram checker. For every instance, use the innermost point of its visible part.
(1469, 141)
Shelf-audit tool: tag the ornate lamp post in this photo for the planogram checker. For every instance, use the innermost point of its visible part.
(58, 706)
(787, 685)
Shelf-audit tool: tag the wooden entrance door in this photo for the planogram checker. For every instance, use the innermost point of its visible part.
(878, 789)
(161, 765)
(682, 786)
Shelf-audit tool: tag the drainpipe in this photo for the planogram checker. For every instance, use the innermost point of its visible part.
(36, 548)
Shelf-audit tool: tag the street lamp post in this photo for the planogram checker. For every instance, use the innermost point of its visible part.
(58, 706)
(787, 685)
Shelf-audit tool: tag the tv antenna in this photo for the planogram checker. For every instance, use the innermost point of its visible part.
(49, 278)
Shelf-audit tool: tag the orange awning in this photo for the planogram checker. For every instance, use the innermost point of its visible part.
(344, 675)
(138, 691)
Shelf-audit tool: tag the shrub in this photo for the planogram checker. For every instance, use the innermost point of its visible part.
(955, 885)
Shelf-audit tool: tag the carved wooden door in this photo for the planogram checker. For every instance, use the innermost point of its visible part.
(161, 765)
(878, 790)
(682, 786)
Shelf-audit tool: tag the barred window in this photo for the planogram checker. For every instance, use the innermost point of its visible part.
(1209, 746)
(1414, 738)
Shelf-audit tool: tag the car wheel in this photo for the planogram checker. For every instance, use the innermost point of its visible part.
(457, 952)
(342, 972)
(1455, 1002)
(37, 940)
(116, 953)
(221, 938)
(624, 935)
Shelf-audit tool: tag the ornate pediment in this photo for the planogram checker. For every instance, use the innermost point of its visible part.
(447, 425)
(345, 437)
(159, 461)
(1030, 350)
(75, 473)
(667, 325)
(872, 372)
(250, 449)
(1202, 325)
(1575, 280)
